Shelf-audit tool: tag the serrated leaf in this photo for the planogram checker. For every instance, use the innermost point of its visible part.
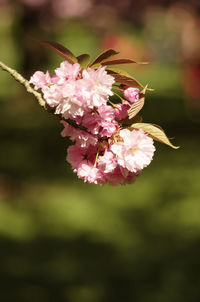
(60, 50)
(103, 56)
(137, 106)
(83, 60)
(120, 61)
(123, 77)
(156, 132)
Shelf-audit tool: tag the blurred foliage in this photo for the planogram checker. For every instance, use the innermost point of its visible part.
(61, 239)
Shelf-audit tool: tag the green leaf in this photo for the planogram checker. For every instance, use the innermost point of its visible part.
(124, 77)
(60, 50)
(83, 60)
(137, 106)
(103, 56)
(155, 132)
(120, 61)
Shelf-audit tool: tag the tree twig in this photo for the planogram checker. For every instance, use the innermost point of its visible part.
(18, 77)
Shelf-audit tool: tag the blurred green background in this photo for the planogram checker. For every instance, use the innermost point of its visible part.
(63, 240)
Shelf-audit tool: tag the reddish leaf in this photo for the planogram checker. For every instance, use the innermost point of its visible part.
(120, 61)
(123, 77)
(103, 56)
(60, 50)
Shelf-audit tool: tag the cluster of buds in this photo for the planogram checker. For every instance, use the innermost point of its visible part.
(98, 107)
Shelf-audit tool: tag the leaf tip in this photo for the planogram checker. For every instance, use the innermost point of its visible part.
(143, 63)
(175, 147)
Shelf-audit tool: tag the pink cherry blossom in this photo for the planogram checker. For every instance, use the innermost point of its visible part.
(131, 177)
(81, 137)
(52, 95)
(88, 172)
(107, 112)
(71, 105)
(107, 128)
(75, 155)
(121, 176)
(121, 111)
(131, 94)
(91, 121)
(97, 86)
(99, 125)
(136, 150)
(104, 150)
(107, 162)
(40, 79)
(67, 72)
(115, 177)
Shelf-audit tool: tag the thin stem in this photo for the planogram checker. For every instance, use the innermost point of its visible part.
(72, 123)
(97, 155)
(18, 77)
(114, 105)
(119, 96)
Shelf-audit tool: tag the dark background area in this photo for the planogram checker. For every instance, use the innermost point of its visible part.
(63, 240)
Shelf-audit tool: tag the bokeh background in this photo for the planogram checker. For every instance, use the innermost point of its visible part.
(63, 240)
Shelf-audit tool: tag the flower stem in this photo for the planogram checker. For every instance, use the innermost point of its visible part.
(97, 155)
(114, 105)
(118, 96)
(18, 77)
(73, 123)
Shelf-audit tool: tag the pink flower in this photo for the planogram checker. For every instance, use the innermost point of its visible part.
(99, 125)
(135, 152)
(107, 162)
(106, 112)
(102, 153)
(121, 176)
(71, 104)
(122, 111)
(131, 178)
(68, 130)
(91, 121)
(40, 79)
(75, 156)
(82, 138)
(107, 124)
(67, 72)
(131, 94)
(52, 95)
(115, 177)
(54, 79)
(107, 128)
(88, 172)
(97, 86)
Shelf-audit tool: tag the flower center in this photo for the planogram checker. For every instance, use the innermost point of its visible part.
(133, 150)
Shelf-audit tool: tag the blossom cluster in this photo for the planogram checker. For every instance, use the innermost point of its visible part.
(104, 151)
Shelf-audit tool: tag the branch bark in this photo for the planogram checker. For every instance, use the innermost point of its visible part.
(18, 77)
